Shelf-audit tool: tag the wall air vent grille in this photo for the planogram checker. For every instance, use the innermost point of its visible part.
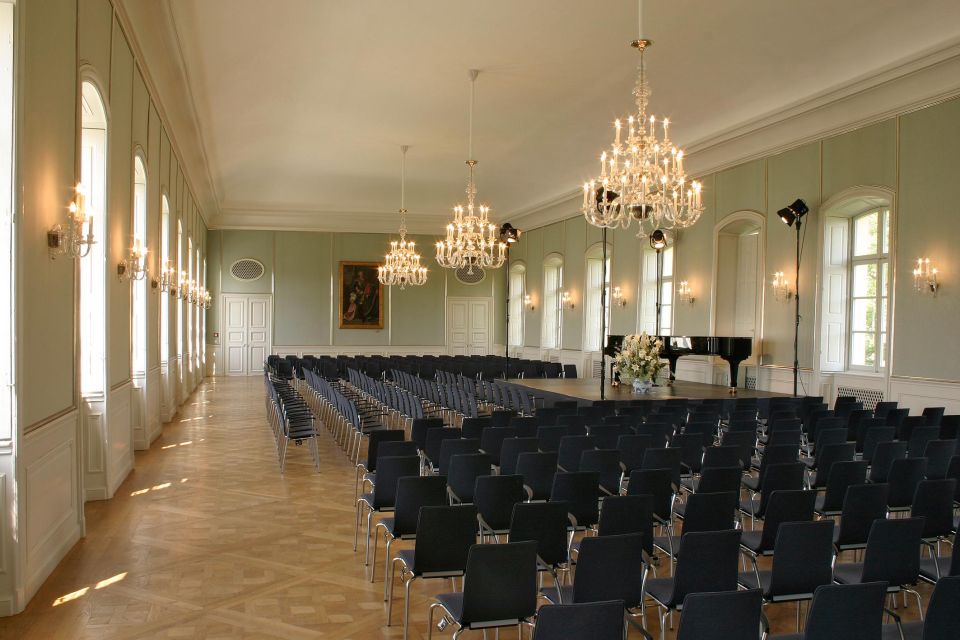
(247, 269)
(597, 367)
(869, 397)
(751, 382)
(463, 275)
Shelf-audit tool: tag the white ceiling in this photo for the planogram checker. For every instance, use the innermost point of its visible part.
(295, 109)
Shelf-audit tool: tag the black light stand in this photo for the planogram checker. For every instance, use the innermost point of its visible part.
(508, 236)
(791, 216)
(603, 315)
(658, 241)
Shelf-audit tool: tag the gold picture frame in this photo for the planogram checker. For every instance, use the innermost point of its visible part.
(361, 296)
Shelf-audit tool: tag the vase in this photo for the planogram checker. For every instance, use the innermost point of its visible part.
(642, 386)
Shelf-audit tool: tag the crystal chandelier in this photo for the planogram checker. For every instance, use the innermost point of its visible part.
(402, 265)
(642, 177)
(471, 237)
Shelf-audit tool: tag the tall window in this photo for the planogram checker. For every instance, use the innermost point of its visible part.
(164, 264)
(592, 339)
(139, 293)
(869, 271)
(182, 275)
(93, 183)
(518, 275)
(7, 393)
(197, 351)
(188, 338)
(551, 336)
(648, 292)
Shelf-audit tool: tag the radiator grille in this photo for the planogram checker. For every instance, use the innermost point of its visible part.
(751, 382)
(869, 397)
(596, 367)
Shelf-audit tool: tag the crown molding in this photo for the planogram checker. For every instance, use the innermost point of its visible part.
(328, 221)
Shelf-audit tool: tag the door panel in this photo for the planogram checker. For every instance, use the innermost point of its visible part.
(247, 333)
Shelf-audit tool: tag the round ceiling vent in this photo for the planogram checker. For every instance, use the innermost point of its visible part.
(247, 269)
(466, 275)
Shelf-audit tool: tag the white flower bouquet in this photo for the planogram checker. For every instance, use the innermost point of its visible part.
(639, 358)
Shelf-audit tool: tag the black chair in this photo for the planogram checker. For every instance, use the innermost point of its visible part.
(745, 441)
(938, 454)
(370, 464)
(546, 524)
(712, 480)
(843, 611)
(525, 426)
(892, 555)
(864, 427)
(576, 424)
(905, 475)
(547, 416)
(842, 476)
(664, 458)
(494, 498)
(883, 457)
(491, 441)
(510, 451)
(933, 501)
(802, 561)
(608, 568)
(606, 462)
(413, 492)
(462, 473)
(937, 566)
(501, 417)
(632, 448)
(657, 484)
(895, 417)
(919, 439)
(691, 451)
(453, 447)
(783, 506)
(571, 447)
(445, 536)
(537, 470)
(873, 438)
(569, 371)
(420, 427)
(707, 563)
(942, 620)
(606, 436)
(594, 620)
(933, 415)
(777, 477)
(909, 425)
(548, 438)
(581, 491)
(826, 457)
(704, 512)
(383, 497)
(435, 439)
(882, 408)
(499, 589)
(862, 504)
(825, 438)
(720, 616)
(473, 427)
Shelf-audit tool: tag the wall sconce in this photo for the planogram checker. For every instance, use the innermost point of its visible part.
(168, 279)
(528, 302)
(206, 300)
(183, 289)
(685, 293)
(925, 277)
(567, 301)
(76, 239)
(134, 267)
(781, 288)
(618, 298)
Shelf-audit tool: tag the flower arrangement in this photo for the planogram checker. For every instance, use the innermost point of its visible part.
(639, 358)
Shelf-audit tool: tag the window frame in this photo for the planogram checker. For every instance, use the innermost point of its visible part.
(515, 304)
(591, 299)
(881, 297)
(552, 305)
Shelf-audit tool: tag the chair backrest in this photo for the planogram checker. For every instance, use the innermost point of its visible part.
(943, 614)
(580, 489)
(862, 504)
(883, 457)
(691, 450)
(548, 438)
(444, 538)
(746, 441)
(575, 424)
(665, 458)
(938, 454)
(933, 501)
(494, 497)
(829, 455)
(569, 371)
(610, 568)
(884, 407)
(893, 551)
(420, 427)
(777, 454)
(491, 441)
(500, 583)
(450, 447)
(568, 454)
(933, 415)
(873, 437)
(853, 611)
(802, 559)
(627, 514)
(511, 449)
(544, 522)
(827, 437)
(463, 471)
(605, 462)
(595, 620)
(657, 484)
(373, 444)
(394, 448)
(606, 436)
(718, 479)
(435, 438)
(950, 427)
(632, 449)
(905, 475)
(389, 470)
(473, 427)
(779, 477)
(722, 456)
(525, 426)
(919, 439)
(721, 615)
(842, 475)
(710, 511)
(538, 470)
(707, 562)
(414, 492)
(785, 506)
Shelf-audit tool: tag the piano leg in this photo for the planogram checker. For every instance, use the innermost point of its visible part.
(673, 369)
(734, 373)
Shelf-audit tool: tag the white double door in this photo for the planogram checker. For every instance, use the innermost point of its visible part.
(246, 333)
(469, 322)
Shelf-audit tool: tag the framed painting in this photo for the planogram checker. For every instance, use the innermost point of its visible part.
(361, 296)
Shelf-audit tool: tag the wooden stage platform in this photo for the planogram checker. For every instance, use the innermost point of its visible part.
(587, 390)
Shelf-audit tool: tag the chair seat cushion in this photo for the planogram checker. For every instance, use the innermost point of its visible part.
(387, 523)
(664, 544)
(680, 510)
(453, 603)
(406, 555)
(911, 631)
(565, 591)
(690, 484)
(752, 483)
(367, 498)
(928, 567)
(751, 540)
(661, 590)
(748, 580)
(750, 506)
(848, 573)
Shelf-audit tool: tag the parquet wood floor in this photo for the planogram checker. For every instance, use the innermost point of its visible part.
(206, 539)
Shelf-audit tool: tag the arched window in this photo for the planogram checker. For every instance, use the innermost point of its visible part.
(139, 293)
(552, 334)
(164, 264)
(93, 184)
(182, 281)
(518, 289)
(597, 281)
(856, 283)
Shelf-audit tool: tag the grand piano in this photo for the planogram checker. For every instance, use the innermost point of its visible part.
(732, 350)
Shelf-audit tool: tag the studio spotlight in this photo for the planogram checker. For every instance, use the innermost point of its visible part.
(658, 239)
(792, 213)
(509, 234)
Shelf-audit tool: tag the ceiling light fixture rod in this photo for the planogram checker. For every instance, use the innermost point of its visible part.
(472, 73)
(403, 177)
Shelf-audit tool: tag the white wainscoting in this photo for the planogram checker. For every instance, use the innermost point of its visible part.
(212, 360)
(345, 350)
(154, 420)
(168, 400)
(138, 411)
(917, 394)
(780, 380)
(119, 449)
(93, 416)
(50, 499)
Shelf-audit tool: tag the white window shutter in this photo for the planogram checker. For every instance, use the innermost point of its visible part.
(833, 336)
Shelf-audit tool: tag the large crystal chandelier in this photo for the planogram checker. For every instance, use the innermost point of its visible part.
(471, 237)
(641, 176)
(402, 264)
